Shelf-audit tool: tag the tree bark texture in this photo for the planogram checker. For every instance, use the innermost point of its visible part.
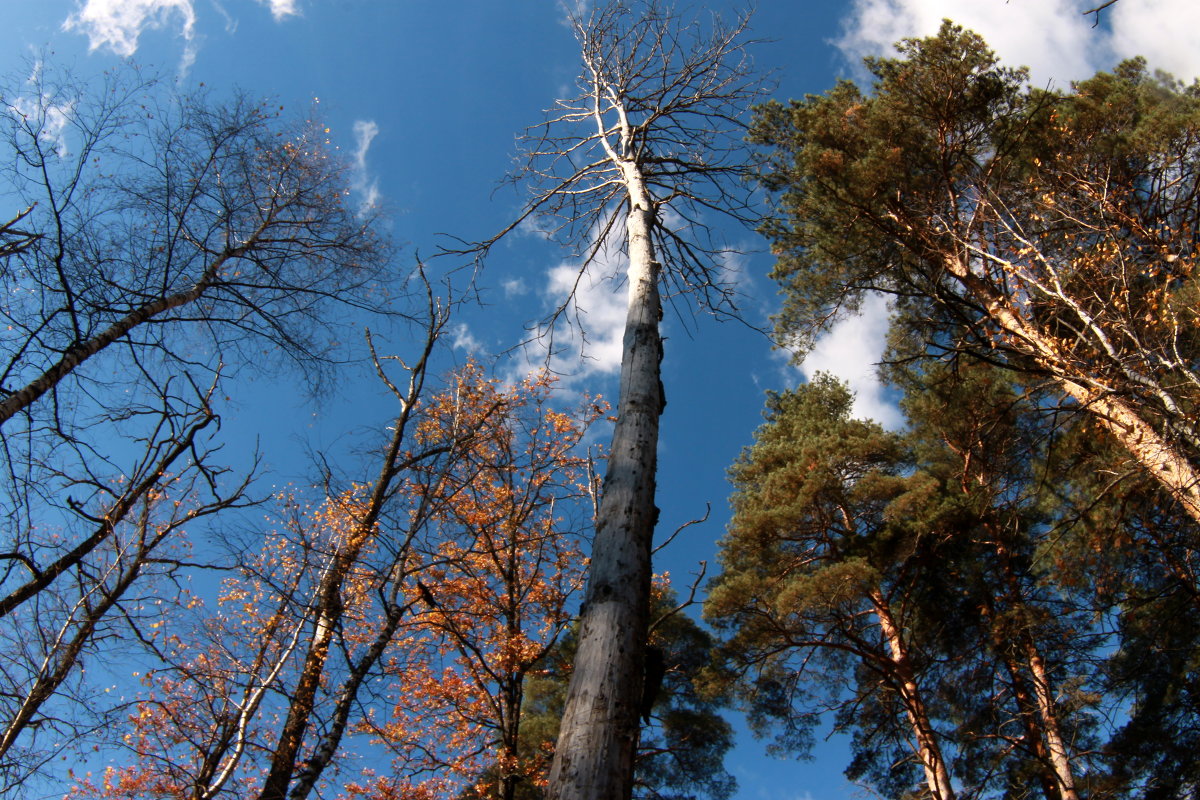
(598, 740)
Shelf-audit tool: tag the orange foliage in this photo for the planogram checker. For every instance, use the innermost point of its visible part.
(502, 565)
(492, 519)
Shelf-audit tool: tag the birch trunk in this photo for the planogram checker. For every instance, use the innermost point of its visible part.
(937, 777)
(598, 739)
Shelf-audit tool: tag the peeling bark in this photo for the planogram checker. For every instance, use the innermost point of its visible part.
(1158, 457)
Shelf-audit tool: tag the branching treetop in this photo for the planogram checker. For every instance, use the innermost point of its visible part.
(658, 124)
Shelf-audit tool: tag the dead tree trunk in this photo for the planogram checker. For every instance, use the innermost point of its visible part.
(596, 748)
(654, 140)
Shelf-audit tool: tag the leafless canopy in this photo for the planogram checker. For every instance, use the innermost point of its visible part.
(666, 100)
(154, 245)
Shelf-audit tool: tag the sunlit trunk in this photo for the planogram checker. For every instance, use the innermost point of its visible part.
(1157, 456)
(303, 699)
(937, 777)
(1050, 727)
(598, 739)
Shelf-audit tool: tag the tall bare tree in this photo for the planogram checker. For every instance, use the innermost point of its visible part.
(653, 140)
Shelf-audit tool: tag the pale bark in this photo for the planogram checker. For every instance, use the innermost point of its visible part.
(656, 130)
(598, 740)
(937, 777)
(303, 700)
(328, 602)
(325, 749)
(1039, 717)
(1160, 459)
(1049, 719)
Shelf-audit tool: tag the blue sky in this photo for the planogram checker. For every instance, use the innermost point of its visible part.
(425, 98)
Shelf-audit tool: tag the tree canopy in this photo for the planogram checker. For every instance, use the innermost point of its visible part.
(1052, 232)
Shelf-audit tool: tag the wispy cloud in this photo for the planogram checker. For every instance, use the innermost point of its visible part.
(850, 351)
(570, 10)
(463, 339)
(586, 337)
(50, 120)
(118, 24)
(45, 115)
(536, 226)
(514, 287)
(365, 186)
(1052, 37)
(231, 24)
(597, 308)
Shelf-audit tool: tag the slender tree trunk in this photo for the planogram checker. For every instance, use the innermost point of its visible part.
(1027, 712)
(326, 748)
(1049, 719)
(598, 739)
(1158, 457)
(81, 352)
(937, 777)
(64, 657)
(114, 515)
(303, 700)
(1051, 743)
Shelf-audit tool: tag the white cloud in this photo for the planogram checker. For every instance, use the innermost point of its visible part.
(463, 339)
(570, 10)
(1166, 32)
(850, 351)
(1052, 37)
(49, 119)
(536, 226)
(44, 114)
(117, 24)
(586, 338)
(231, 24)
(365, 186)
(281, 8)
(591, 340)
(514, 287)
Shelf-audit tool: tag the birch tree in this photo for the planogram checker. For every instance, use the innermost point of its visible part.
(647, 153)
